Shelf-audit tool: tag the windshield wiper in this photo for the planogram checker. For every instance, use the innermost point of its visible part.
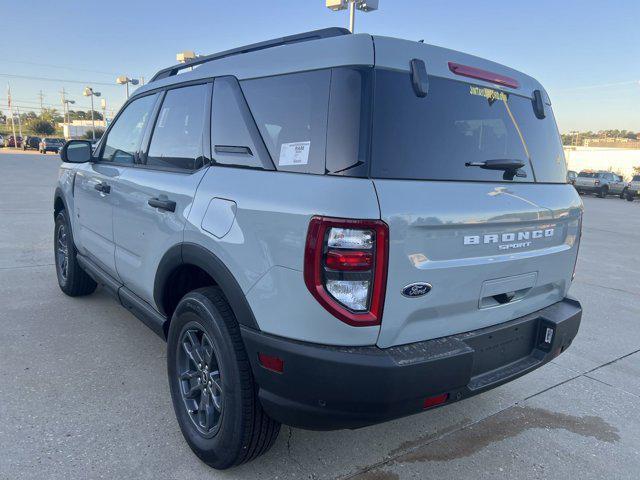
(511, 167)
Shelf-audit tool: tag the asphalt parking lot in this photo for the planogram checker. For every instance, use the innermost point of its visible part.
(83, 389)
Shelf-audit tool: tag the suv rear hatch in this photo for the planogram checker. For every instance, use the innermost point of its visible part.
(587, 179)
(492, 245)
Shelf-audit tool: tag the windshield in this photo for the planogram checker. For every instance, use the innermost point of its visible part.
(588, 174)
(433, 138)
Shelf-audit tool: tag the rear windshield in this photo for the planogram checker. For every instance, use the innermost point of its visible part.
(432, 138)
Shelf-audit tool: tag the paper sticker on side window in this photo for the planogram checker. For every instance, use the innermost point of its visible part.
(296, 153)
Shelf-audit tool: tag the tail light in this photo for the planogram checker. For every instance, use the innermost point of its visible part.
(345, 267)
(578, 239)
(597, 182)
(485, 75)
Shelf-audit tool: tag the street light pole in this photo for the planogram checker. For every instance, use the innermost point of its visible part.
(88, 92)
(93, 123)
(352, 15)
(352, 5)
(124, 80)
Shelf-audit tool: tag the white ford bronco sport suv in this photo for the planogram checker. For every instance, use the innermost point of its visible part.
(330, 230)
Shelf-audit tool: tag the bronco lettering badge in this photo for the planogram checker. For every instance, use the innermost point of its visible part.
(519, 239)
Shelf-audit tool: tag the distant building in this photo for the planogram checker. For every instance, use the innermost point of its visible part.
(78, 128)
(612, 142)
(618, 160)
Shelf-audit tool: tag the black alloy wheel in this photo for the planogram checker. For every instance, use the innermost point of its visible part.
(199, 379)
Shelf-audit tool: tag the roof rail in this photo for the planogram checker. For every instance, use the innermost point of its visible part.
(300, 37)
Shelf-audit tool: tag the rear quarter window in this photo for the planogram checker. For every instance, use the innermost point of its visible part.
(291, 114)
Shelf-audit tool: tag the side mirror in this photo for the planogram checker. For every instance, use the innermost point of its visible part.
(76, 151)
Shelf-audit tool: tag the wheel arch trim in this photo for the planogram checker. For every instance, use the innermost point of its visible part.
(59, 194)
(193, 254)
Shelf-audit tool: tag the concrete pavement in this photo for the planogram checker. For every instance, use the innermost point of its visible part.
(83, 389)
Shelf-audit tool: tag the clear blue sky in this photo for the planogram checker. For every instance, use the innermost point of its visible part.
(585, 52)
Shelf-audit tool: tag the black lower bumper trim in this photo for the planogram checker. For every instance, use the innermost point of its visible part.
(327, 388)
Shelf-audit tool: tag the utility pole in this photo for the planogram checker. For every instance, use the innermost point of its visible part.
(64, 108)
(19, 125)
(13, 122)
(41, 96)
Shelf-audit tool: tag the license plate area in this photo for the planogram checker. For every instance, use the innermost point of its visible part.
(500, 347)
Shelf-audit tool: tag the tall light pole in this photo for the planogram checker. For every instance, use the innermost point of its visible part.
(124, 80)
(89, 92)
(352, 5)
(66, 116)
(103, 104)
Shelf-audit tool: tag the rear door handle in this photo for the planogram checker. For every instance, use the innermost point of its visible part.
(103, 187)
(162, 204)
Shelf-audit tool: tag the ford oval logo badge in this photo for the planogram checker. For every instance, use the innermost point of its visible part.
(416, 289)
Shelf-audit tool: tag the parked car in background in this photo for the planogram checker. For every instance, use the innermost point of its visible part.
(31, 142)
(11, 142)
(633, 190)
(571, 177)
(601, 183)
(51, 145)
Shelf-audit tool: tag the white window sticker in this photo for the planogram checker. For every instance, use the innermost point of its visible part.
(296, 153)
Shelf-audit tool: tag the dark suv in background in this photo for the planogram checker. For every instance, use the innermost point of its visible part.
(31, 142)
(51, 145)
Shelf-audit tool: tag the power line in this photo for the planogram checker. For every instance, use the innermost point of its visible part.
(29, 108)
(602, 85)
(47, 79)
(49, 65)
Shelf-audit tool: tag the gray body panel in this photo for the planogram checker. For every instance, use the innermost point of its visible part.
(143, 234)
(264, 246)
(428, 222)
(94, 214)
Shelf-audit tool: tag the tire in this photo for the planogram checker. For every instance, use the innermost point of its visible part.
(630, 196)
(603, 192)
(72, 279)
(237, 428)
(623, 194)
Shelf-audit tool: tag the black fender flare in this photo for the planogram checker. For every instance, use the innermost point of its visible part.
(59, 194)
(194, 254)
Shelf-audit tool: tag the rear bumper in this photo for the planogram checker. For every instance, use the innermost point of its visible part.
(327, 388)
(587, 188)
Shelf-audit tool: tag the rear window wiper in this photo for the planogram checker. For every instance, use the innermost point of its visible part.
(510, 166)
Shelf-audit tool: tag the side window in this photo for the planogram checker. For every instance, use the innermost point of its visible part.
(124, 138)
(176, 141)
(291, 113)
(234, 136)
